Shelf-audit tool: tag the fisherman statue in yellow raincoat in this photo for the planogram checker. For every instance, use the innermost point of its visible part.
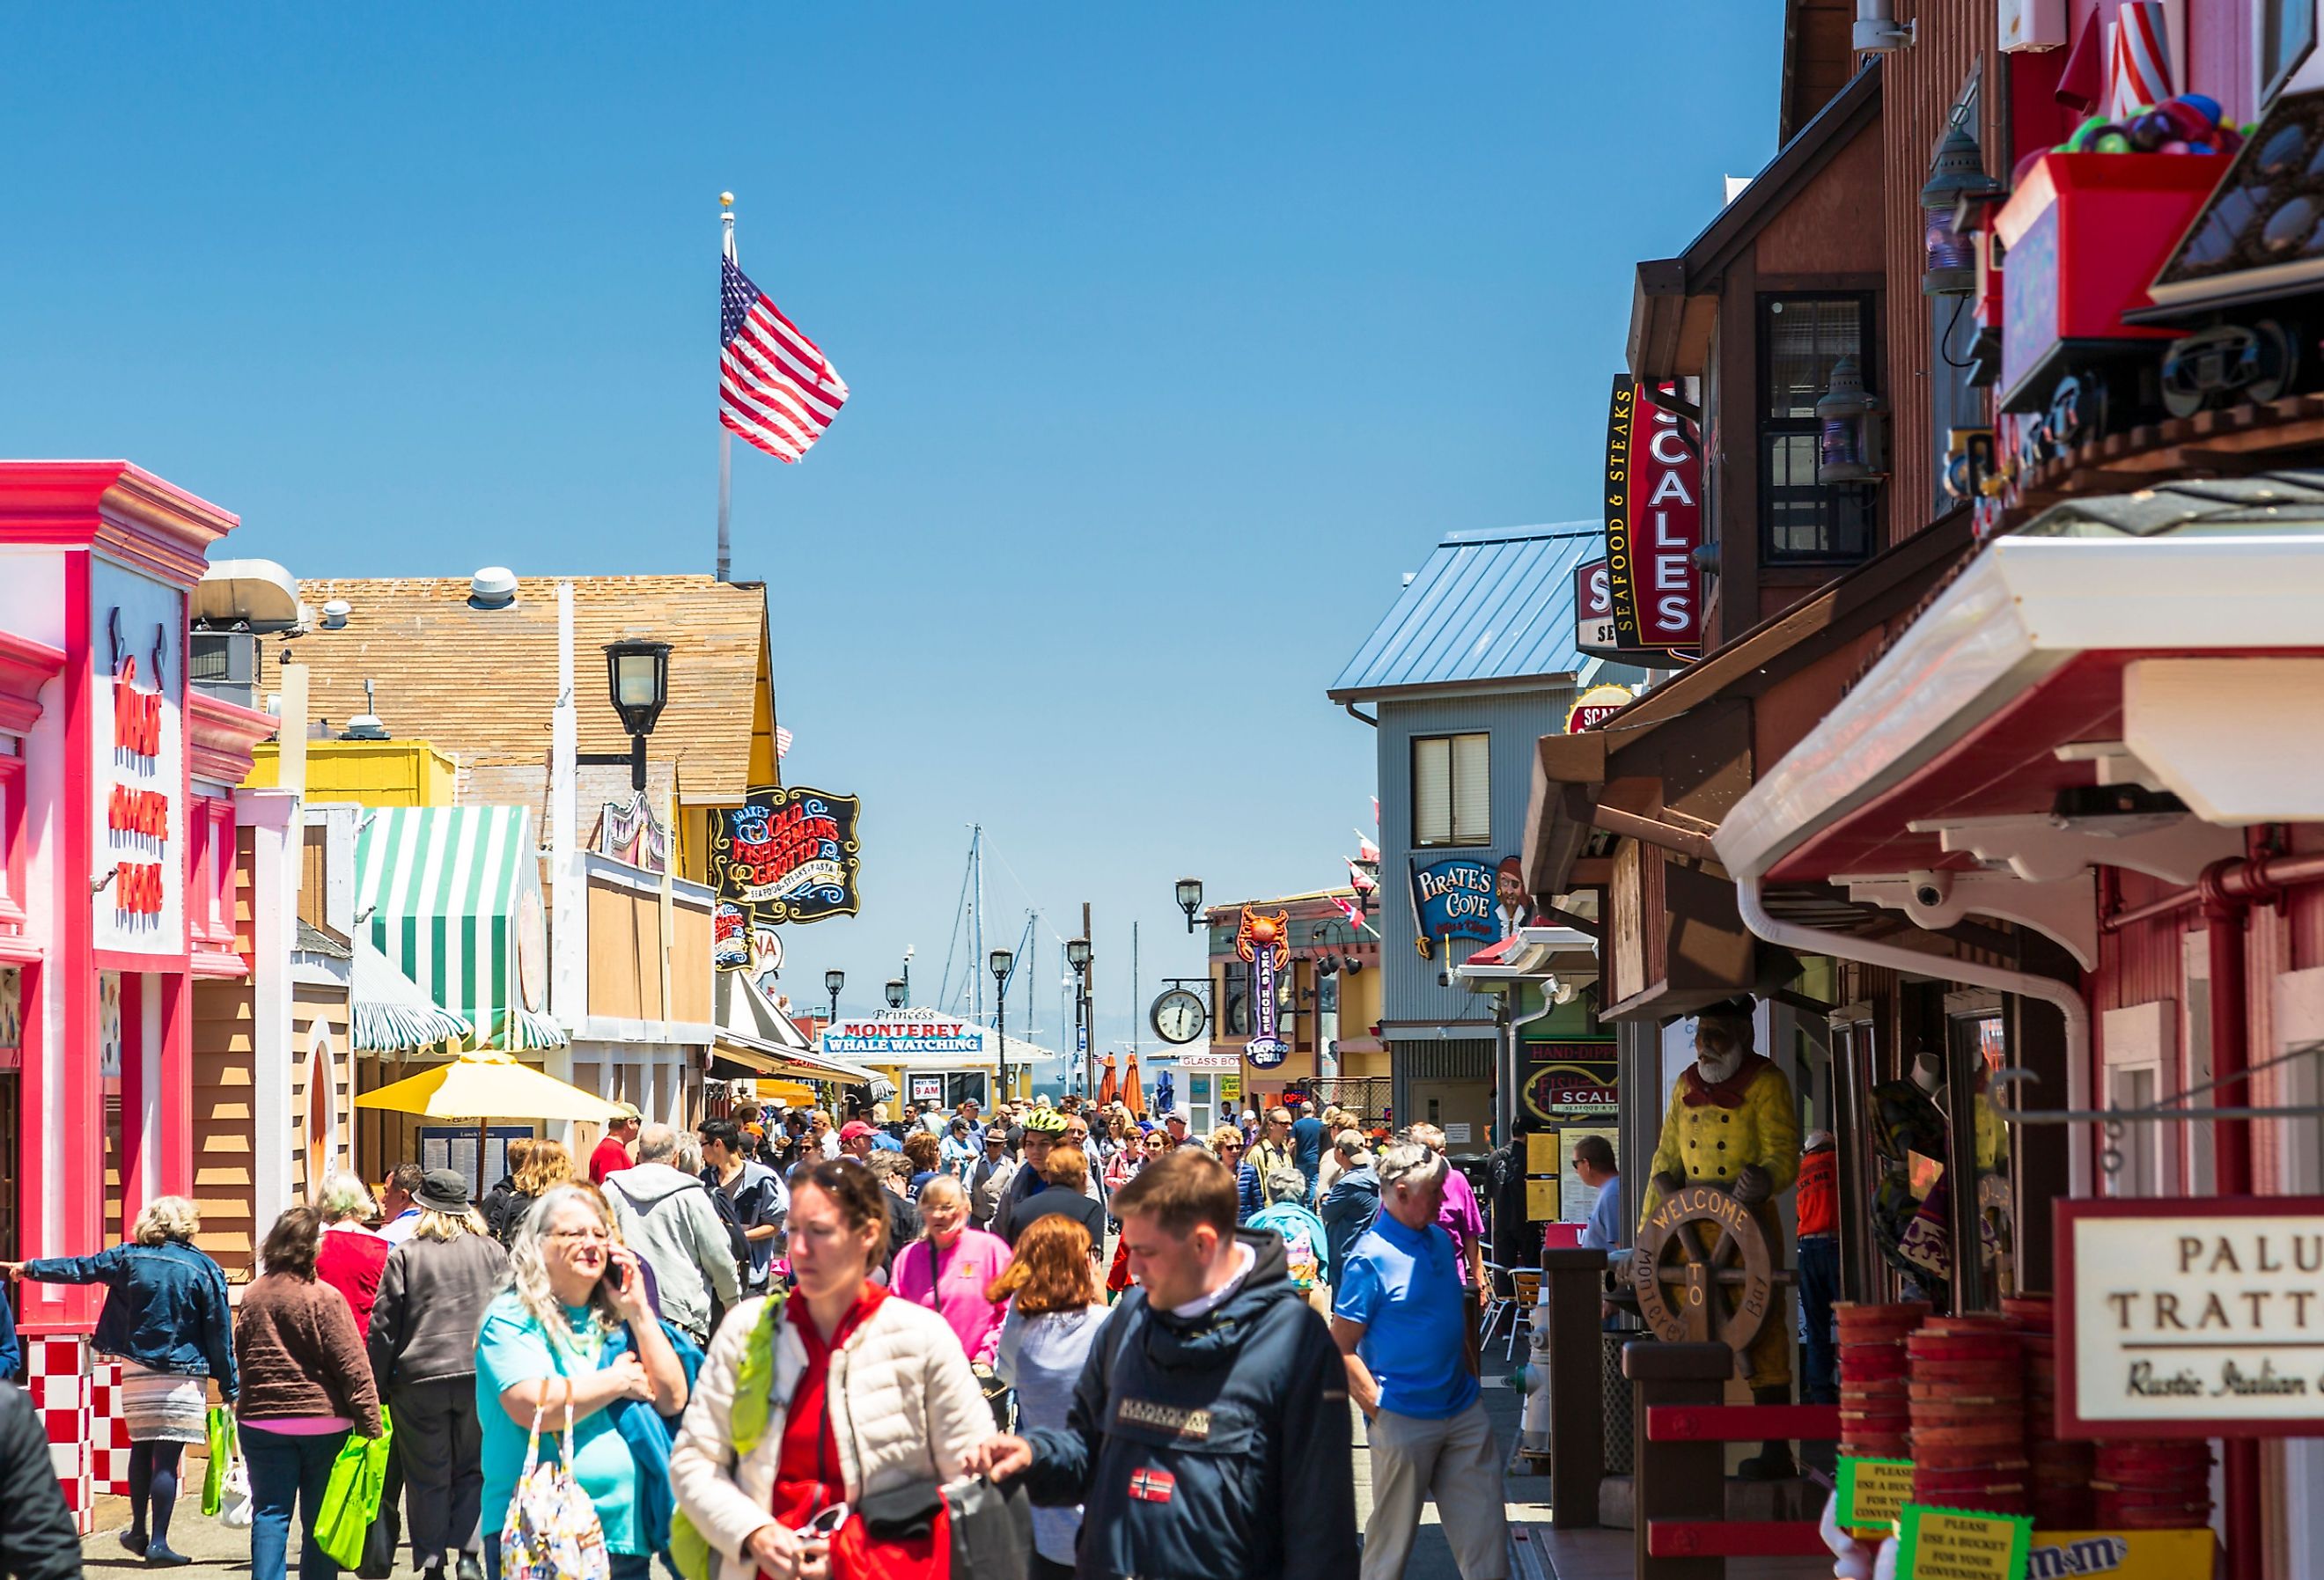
(1731, 1124)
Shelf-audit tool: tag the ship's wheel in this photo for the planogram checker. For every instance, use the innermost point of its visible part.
(1702, 1270)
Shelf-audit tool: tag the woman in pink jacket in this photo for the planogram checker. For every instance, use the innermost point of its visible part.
(948, 1267)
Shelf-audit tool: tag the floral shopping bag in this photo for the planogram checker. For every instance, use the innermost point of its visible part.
(552, 1531)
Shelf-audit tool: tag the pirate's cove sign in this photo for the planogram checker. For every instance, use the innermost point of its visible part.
(785, 855)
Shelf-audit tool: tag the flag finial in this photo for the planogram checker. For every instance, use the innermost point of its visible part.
(725, 200)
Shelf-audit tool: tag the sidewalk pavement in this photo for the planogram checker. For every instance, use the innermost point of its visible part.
(223, 1554)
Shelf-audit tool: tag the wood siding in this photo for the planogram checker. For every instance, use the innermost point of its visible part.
(318, 1027)
(224, 1181)
(1515, 721)
(1918, 87)
(625, 955)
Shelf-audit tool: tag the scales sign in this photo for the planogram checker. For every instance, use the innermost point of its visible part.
(1654, 522)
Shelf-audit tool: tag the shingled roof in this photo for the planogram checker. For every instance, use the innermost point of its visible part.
(480, 684)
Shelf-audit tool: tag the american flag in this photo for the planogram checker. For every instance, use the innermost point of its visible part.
(774, 387)
(783, 743)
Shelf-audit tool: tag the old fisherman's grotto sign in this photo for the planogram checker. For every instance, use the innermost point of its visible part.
(2191, 1318)
(784, 856)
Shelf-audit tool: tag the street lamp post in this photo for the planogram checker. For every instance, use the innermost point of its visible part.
(1190, 900)
(1077, 955)
(832, 981)
(637, 677)
(895, 992)
(1000, 961)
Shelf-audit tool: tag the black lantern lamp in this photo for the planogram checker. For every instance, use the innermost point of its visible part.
(637, 676)
(1949, 255)
(895, 992)
(832, 981)
(1190, 900)
(998, 963)
(1848, 447)
(1077, 954)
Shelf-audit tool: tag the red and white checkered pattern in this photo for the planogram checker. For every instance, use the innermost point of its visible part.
(108, 1440)
(56, 1375)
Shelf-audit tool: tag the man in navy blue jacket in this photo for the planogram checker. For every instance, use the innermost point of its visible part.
(1209, 1433)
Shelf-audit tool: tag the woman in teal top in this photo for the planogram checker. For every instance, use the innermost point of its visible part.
(571, 1285)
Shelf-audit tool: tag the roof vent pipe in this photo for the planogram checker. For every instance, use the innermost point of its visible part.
(493, 588)
(1877, 31)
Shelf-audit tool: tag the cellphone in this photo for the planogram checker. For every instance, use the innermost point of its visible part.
(826, 1524)
(617, 1276)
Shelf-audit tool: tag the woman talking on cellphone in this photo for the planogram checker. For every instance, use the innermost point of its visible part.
(571, 1331)
(821, 1423)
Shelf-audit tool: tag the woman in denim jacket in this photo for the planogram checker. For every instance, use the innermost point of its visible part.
(167, 1319)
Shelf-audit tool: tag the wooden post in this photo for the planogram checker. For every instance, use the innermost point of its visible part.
(1572, 1281)
(1676, 1480)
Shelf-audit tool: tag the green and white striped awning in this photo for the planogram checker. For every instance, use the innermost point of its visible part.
(451, 895)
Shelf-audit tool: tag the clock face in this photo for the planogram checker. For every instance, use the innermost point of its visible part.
(1178, 1015)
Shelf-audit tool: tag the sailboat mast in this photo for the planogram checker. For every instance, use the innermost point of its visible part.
(976, 917)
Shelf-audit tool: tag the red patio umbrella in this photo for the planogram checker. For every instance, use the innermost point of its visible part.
(1133, 1095)
(1109, 1085)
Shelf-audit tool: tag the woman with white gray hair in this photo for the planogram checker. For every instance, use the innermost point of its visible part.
(571, 1338)
(351, 1257)
(166, 1318)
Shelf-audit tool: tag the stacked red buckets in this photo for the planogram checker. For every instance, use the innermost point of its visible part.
(2062, 1468)
(1968, 1376)
(2152, 1486)
(1875, 1406)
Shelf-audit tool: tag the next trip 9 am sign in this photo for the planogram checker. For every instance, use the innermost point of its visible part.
(2191, 1318)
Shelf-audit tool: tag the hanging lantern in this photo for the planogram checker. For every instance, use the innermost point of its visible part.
(1948, 257)
(1849, 445)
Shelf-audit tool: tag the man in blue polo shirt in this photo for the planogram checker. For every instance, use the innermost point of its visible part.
(1398, 1314)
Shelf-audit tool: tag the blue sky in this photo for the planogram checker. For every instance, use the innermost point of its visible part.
(1176, 335)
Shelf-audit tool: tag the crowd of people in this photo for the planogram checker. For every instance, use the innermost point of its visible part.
(765, 1344)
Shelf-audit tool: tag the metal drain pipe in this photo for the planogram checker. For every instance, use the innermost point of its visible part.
(1895, 957)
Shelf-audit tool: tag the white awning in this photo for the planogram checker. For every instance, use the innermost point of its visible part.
(2020, 611)
(761, 1038)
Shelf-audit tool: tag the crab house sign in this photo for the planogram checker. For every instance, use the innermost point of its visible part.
(2191, 1318)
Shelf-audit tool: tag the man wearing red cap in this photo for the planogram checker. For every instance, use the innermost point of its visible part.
(856, 1139)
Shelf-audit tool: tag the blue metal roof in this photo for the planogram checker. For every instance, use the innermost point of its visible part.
(1487, 606)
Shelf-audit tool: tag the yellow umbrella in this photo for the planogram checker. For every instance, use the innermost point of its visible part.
(486, 1085)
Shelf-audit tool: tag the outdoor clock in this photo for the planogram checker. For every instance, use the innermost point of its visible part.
(1178, 1015)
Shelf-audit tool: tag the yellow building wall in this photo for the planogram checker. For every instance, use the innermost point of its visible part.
(370, 774)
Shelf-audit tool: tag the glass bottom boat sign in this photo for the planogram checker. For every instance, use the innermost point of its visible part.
(2191, 1318)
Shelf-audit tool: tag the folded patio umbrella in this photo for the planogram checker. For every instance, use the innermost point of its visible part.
(1133, 1095)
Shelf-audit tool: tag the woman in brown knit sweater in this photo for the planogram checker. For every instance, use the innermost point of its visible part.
(306, 1384)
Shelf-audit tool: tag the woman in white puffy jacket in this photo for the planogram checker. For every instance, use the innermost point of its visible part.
(837, 1395)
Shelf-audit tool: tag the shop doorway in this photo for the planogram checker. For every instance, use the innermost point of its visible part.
(1462, 1110)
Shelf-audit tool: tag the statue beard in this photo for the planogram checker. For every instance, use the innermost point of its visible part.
(1717, 1068)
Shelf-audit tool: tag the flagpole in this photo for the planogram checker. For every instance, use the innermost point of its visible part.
(726, 438)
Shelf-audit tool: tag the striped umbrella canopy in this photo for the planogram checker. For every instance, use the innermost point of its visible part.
(453, 899)
(1133, 1095)
(391, 1013)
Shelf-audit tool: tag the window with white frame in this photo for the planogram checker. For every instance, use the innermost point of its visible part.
(1451, 791)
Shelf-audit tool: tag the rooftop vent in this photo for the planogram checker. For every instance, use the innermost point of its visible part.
(493, 588)
(335, 614)
(365, 725)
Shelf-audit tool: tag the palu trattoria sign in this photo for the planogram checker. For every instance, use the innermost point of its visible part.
(2191, 1318)
(1654, 522)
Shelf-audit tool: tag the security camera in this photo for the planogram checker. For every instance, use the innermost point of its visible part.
(1444, 976)
(1932, 889)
